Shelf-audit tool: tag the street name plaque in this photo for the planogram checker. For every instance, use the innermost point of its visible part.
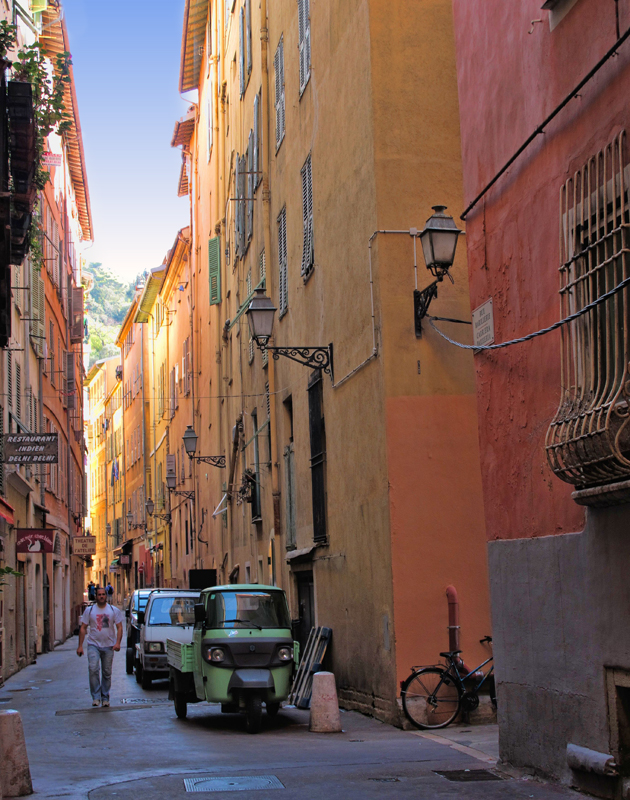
(483, 324)
(30, 448)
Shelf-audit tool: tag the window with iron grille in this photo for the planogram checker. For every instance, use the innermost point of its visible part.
(304, 26)
(278, 63)
(282, 263)
(307, 219)
(588, 441)
(10, 378)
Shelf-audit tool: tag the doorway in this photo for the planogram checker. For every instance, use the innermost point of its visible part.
(306, 606)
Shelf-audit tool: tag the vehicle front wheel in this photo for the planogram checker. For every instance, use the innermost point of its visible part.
(181, 707)
(253, 712)
(139, 671)
(146, 679)
(272, 709)
(431, 698)
(129, 659)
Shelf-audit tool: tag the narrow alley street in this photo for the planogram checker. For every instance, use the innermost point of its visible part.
(137, 748)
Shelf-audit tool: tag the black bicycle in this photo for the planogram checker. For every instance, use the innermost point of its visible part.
(433, 696)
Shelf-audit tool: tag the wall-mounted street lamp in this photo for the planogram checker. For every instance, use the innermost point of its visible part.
(190, 444)
(439, 242)
(108, 529)
(150, 506)
(260, 315)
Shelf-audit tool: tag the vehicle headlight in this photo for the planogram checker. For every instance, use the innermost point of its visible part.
(217, 655)
(285, 654)
(154, 647)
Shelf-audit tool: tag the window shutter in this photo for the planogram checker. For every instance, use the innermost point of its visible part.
(250, 186)
(307, 218)
(242, 50)
(70, 380)
(237, 212)
(256, 176)
(262, 267)
(248, 21)
(210, 122)
(304, 25)
(243, 204)
(76, 325)
(282, 262)
(279, 70)
(18, 391)
(214, 269)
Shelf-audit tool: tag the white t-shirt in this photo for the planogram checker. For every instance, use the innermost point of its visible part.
(101, 624)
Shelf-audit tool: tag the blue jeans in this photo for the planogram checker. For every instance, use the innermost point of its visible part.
(100, 661)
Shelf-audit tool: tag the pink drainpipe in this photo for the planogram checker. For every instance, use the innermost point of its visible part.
(453, 624)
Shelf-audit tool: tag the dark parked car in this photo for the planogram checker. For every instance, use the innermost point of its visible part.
(137, 602)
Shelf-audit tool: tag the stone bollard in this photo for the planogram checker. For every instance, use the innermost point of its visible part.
(324, 704)
(15, 775)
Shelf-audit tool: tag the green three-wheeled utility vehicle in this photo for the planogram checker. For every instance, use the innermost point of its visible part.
(242, 653)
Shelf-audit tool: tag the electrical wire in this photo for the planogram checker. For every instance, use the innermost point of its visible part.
(622, 285)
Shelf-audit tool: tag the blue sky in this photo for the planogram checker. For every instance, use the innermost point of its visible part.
(126, 68)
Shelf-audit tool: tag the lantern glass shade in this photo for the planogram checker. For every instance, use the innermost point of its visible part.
(129, 520)
(108, 529)
(190, 441)
(150, 506)
(260, 316)
(171, 481)
(439, 241)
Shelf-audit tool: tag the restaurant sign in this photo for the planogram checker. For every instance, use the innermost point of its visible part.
(34, 540)
(51, 159)
(84, 545)
(30, 448)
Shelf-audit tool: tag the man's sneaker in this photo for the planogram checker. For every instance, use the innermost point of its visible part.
(96, 703)
(105, 703)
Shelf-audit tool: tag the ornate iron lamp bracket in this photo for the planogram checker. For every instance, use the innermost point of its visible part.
(421, 302)
(313, 357)
(216, 461)
(188, 495)
(165, 517)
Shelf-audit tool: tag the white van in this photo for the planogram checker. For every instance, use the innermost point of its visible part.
(169, 614)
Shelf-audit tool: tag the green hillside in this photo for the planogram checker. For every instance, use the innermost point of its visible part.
(106, 306)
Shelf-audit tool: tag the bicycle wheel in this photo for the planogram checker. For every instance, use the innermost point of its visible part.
(431, 698)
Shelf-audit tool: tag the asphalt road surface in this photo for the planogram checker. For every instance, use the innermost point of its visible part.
(139, 749)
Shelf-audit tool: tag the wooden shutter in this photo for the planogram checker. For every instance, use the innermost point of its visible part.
(76, 324)
(171, 467)
(262, 268)
(257, 171)
(237, 211)
(279, 72)
(282, 262)
(248, 24)
(290, 495)
(70, 380)
(307, 218)
(210, 121)
(18, 391)
(242, 204)
(214, 269)
(250, 186)
(304, 25)
(241, 21)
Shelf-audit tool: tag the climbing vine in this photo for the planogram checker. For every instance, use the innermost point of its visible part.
(48, 81)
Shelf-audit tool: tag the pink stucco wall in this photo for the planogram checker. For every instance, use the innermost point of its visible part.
(509, 80)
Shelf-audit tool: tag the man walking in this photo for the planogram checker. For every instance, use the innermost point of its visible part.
(103, 624)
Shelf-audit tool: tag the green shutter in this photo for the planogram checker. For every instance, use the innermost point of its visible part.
(214, 269)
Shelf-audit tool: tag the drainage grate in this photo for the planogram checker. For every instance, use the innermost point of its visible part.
(242, 784)
(144, 700)
(469, 775)
(385, 780)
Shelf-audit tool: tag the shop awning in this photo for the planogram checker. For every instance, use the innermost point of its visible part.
(6, 511)
(115, 562)
(298, 555)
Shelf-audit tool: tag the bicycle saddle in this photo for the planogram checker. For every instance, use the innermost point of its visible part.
(452, 653)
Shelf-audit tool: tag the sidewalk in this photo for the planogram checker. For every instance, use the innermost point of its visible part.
(138, 748)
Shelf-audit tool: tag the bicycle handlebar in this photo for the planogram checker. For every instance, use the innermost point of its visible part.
(485, 639)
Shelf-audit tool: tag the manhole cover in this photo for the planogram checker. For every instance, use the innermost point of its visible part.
(469, 775)
(242, 784)
(144, 700)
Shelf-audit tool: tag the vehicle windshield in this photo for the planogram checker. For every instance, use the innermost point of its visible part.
(142, 601)
(248, 609)
(172, 611)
